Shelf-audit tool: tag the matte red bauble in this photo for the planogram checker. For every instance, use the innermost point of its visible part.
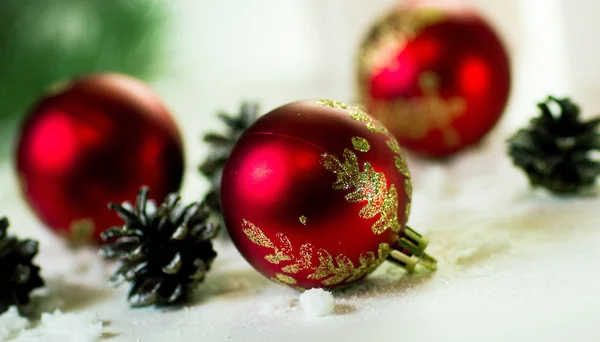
(317, 194)
(437, 76)
(93, 141)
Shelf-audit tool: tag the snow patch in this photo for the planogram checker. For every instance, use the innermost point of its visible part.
(317, 303)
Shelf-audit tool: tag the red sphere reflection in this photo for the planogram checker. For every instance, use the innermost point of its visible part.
(93, 141)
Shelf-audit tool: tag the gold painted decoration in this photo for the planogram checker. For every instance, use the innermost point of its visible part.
(361, 144)
(366, 186)
(357, 114)
(301, 262)
(303, 219)
(342, 269)
(408, 189)
(394, 146)
(415, 118)
(285, 279)
(401, 165)
(373, 125)
(376, 127)
(282, 252)
(331, 271)
(399, 159)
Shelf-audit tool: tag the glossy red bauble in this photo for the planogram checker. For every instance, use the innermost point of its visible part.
(317, 194)
(436, 75)
(93, 141)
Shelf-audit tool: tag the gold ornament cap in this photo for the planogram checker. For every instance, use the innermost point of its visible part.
(409, 251)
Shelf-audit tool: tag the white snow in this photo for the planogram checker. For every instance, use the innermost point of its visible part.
(11, 324)
(61, 327)
(317, 302)
(52, 327)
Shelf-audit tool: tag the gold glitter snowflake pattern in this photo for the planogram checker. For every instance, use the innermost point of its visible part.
(331, 271)
(303, 220)
(399, 159)
(284, 279)
(357, 114)
(365, 186)
(416, 117)
(360, 144)
(281, 252)
(400, 162)
(342, 269)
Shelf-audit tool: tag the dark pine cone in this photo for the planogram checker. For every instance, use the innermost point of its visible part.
(164, 252)
(221, 146)
(555, 149)
(18, 276)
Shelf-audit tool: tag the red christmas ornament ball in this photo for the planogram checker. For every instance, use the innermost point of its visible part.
(93, 141)
(317, 194)
(436, 74)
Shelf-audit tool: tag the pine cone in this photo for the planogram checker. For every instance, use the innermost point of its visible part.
(554, 150)
(164, 252)
(221, 146)
(18, 276)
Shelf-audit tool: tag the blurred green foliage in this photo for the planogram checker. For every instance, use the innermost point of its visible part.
(44, 41)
